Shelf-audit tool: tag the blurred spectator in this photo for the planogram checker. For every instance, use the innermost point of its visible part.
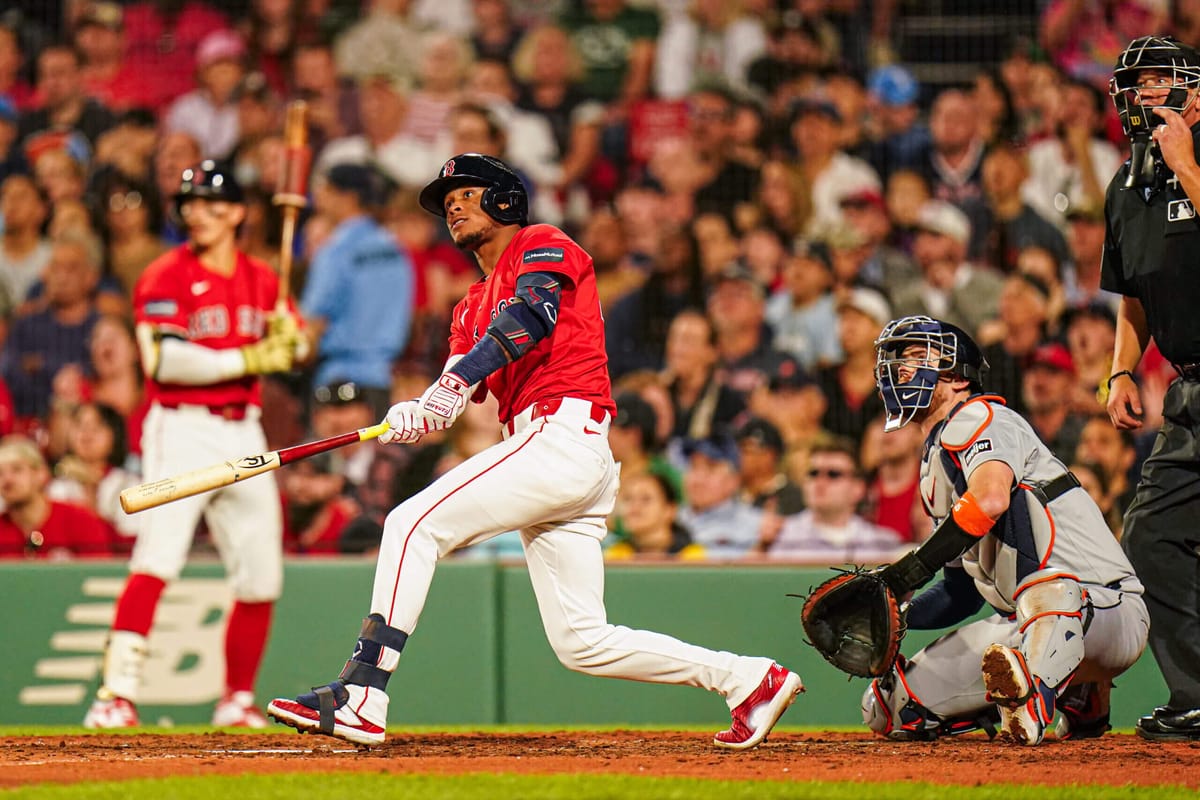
(383, 41)
(831, 173)
(892, 461)
(617, 274)
(1086, 236)
(718, 245)
(1010, 224)
(1046, 392)
(830, 530)
(342, 407)
(765, 485)
(1111, 450)
(315, 512)
(736, 308)
(376, 496)
(175, 152)
(650, 511)
(1082, 36)
(784, 198)
(441, 73)
(701, 403)
(1071, 170)
(496, 34)
(359, 296)
(34, 526)
(41, 344)
(724, 183)
(99, 36)
(794, 403)
(1090, 332)
(128, 147)
(997, 117)
(209, 112)
(11, 158)
(92, 474)
(161, 40)
(849, 387)
(849, 96)
(1020, 328)
(617, 43)
(12, 84)
(1094, 481)
(332, 100)
(763, 253)
(651, 387)
(802, 311)
(901, 139)
(634, 439)
(719, 521)
(131, 217)
(907, 194)
(259, 117)
(382, 109)
(883, 267)
(953, 165)
(64, 103)
(797, 50)
(951, 288)
(712, 41)
(270, 29)
(24, 253)
(60, 164)
(1040, 265)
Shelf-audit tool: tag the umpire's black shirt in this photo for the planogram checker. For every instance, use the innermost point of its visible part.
(1152, 252)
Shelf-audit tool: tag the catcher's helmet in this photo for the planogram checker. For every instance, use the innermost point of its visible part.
(501, 187)
(1178, 60)
(947, 350)
(210, 181)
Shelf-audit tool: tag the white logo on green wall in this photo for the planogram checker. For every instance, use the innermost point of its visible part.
(186, 664)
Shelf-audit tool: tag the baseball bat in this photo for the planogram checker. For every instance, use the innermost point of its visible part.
(292, 193)
(157, 493)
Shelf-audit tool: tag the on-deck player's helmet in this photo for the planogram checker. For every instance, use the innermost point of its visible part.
(501, 187)
(210, 181)
(1181, 62)
(943, 349)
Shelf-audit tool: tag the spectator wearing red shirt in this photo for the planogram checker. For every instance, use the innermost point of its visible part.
(314, 509)
(161, 37)
(33, 526)
(100, 38)
(12, 86)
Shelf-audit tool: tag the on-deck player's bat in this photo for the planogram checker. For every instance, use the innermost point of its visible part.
(156, 493)
(292, 191)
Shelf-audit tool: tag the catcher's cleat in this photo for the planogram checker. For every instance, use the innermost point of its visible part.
(758, 713)
(1026, 704)
(109, 711)
(237, 710)
(355, 713)
(1083, 712)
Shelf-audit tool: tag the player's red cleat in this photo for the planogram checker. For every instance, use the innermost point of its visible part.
(354, 713)
(237, 710)
(758, 713)
(110, 711)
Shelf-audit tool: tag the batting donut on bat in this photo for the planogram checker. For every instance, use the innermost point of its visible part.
(207, 328)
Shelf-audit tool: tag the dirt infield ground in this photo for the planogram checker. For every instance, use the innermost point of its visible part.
(1113, 760)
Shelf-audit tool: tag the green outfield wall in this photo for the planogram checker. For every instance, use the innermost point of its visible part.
(479, 655)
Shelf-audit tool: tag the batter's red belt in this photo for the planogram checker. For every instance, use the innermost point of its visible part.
(230, 411)
(545, 408)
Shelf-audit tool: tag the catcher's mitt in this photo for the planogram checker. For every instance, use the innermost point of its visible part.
(854, 621)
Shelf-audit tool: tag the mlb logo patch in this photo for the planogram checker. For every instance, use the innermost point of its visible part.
(1180, 210)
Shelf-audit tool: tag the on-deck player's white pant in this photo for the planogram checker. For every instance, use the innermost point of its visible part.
(244, 518)
(553, 480)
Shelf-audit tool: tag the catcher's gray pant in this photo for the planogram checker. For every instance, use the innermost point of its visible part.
(946, 679)
(554, 480)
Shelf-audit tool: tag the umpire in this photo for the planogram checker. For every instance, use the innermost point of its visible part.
(1152, 258)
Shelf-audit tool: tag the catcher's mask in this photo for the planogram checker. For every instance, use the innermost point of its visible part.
(911, 356)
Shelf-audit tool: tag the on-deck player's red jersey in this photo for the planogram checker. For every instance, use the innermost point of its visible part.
(181, 297)
(571, 361)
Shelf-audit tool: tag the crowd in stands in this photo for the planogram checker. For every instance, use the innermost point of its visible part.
(760, 186)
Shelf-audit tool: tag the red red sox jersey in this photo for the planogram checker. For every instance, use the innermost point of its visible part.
(571, 361)
(181, 297)
(69, 528)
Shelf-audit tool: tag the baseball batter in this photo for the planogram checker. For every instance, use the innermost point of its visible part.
(532, 334)
(206, 332)
(1015, 530)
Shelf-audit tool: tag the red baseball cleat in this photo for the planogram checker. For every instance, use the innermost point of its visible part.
(758, 713)
(237, 710)
(110, 711)
(345, 711)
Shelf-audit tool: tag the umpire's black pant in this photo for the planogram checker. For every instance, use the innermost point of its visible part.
(1162, 540)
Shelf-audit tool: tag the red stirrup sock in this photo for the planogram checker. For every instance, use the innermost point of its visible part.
(245, 641)
(136, 605)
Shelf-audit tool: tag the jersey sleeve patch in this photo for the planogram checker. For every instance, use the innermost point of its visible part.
(543, 255)
(160, 308)
(978, 447)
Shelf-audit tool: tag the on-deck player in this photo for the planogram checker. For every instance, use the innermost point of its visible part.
(532, 334)
(206, 331)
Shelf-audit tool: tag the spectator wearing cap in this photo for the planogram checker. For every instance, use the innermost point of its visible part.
(1081, 275)
(849, 387)
(33, 525)
(802, 312)
(1010, 224)
(633, 437)
(341, 407)
(900, 139)
(209, 112)
(736, 307)
(953, 164)
(1047, 391)
(719, 520)
(99, 36)
(830, 530)
(650, 507)
(711, 42)
(951, 288)
(794, 403)
(1019, 330)
(65, 104)
(315, 510)
(831, 173)
(359, 297)
(699, 401)
(881, 266)
(765, 483)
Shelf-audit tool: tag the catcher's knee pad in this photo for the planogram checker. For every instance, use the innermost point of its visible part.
(890, 709)
(375, 655)
(1050, 618)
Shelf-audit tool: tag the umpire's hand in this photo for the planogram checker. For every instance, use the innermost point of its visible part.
(1175, 141)
(1124, 403)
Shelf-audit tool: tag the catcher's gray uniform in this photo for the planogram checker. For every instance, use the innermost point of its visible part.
(1065, 596)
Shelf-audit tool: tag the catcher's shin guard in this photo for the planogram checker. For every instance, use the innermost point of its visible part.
(890, 709)
(1050, 617)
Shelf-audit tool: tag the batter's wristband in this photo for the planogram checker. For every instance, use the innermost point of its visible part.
(970, 517)
(1118, 374)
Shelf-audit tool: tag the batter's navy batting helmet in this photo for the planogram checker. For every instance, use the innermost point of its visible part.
(942, 348)
(209, 181)
(501, 187)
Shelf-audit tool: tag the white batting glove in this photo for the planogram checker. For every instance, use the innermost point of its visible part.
(445, 400)
(407, 424)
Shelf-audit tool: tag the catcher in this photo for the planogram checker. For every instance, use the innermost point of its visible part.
(1014, 530)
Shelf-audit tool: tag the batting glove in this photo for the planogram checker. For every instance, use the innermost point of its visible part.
(446, 399)
(407, 424)
(272, 354)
